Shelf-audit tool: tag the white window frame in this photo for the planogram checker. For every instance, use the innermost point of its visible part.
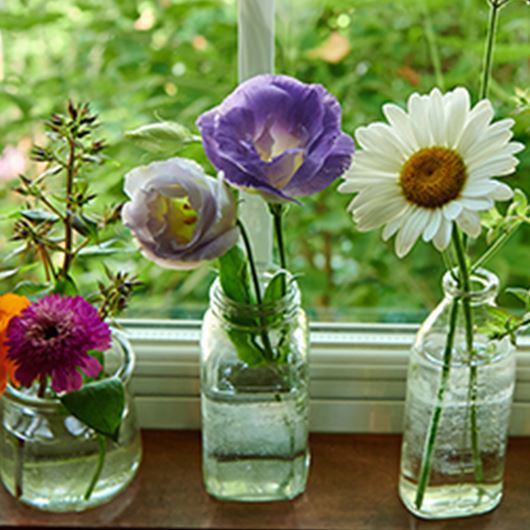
(358, 371)
(358, 375)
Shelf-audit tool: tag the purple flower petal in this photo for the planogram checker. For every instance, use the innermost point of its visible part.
(167, 234)
(51, 338)
(278, 136)
(91, 366)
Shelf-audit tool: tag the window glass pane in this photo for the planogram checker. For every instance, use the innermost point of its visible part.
(138, 61)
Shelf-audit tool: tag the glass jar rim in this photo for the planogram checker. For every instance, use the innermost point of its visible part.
(124, 373)
(484, 284)
(286, 305)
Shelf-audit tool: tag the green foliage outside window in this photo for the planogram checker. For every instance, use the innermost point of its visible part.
(139, 61)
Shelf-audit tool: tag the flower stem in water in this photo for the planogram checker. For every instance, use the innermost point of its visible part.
(255, 280)
(435, 419)
(101, 460)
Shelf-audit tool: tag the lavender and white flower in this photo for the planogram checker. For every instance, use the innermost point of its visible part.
(52, 338)
(277, 136)
(180, 216)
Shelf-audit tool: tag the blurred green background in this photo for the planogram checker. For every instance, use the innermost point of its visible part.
(140, 61)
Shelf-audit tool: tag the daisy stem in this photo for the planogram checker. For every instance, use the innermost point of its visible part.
(488, 50)
(428, 450)
(101, 460)
(473, 374)
(433, 48)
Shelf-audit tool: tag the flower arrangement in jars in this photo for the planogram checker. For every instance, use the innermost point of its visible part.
(280, 138)
(68, 433)
(432, 172)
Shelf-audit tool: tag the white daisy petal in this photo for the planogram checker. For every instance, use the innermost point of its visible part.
(373, 161)
(469, 222)
(418, 107)
(408, 175)
(443, 237)
(399, 120)
(456, 112)
(379, 137)
(478, 204)
(436, 117)
(410, 231)
(379, 191)
(502, 192)
(479, 188)
(392, 227)
(380, 216)
(433, 225)
(451, 210)
(478, 120)
(503, 165)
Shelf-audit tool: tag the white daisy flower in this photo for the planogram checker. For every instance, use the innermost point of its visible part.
(430, 167)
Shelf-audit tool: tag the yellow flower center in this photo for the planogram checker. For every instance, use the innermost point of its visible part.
(433, 176)
(178, 215)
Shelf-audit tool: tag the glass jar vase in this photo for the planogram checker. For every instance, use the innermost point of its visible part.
(48, 458)
(459, 393)
(254, 396)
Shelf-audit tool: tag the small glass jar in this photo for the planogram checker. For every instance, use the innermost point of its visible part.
(255, 405)
(457, 407)
(48, 458)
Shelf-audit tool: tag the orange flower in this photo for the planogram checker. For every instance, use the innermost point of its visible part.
(11, 305)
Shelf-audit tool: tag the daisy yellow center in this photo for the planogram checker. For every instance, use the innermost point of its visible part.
(433, 176)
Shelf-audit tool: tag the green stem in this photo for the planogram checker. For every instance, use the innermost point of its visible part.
(68, 218)
(277, 214)
(255, 280)
(488, 50)
(101, 460)
(495, 247)
(473, 373)
(433, 48)
(435, 419)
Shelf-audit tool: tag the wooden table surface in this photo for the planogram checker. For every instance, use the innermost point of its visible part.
(352, 486)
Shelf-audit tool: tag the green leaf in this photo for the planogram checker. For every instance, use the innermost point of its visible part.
(235, 277)
(8, 274)
(99, 405)
(105, 249)
(162, 137)
(498, 314)
(520, 293)
(66, 287)
(85, 225)
(276, 287)
(40, 216)
(520, 202)
(247, 348)
(27, 288)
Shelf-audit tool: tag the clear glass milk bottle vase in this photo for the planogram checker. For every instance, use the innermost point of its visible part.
(457, 406)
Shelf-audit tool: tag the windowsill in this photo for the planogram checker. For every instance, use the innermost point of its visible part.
(352, 486)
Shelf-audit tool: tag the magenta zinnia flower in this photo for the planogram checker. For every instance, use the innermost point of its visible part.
(52, 337)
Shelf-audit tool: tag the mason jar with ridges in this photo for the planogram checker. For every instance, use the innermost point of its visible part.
(254, 396)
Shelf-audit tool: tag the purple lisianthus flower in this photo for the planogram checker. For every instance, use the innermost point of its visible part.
(277, 136)
(52, 337)
(179, 215)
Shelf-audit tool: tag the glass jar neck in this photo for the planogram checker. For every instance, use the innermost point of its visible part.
(266, 314)
(483, 286)
(123, 370)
